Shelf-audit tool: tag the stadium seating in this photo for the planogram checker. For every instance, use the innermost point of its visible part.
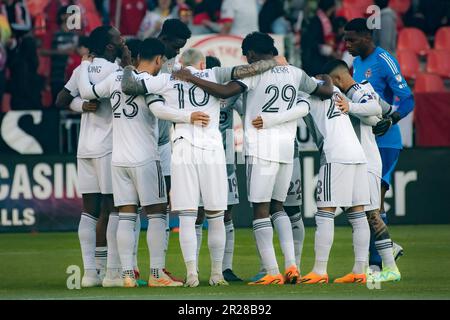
(360, 4)
(413, 39)
(442, 39)
(400, 6)
(426, 82)
(409, 63)
(439, 63)
(350, 13)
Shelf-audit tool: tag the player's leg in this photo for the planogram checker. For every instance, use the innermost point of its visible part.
(358, 182)
(199, 231)
(327, 200)
(89, 188)
(101, 249)
(261, 177)
(185, 201)
(165, 154)
(233, 199)
(137, 233)
(212, 174)
(292, 206)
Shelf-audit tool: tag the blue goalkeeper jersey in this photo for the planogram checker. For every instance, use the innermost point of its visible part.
(382, 71)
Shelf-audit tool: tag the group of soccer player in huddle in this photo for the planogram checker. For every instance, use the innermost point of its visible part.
(132, 95)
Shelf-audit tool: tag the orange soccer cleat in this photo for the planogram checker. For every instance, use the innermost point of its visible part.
(269, 279)
(351, 278)
(313, 278)
(291, 275)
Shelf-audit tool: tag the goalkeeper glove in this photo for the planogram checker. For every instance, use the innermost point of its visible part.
(382, 127)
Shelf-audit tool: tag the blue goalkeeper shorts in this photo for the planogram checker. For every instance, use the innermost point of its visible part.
(389, 159)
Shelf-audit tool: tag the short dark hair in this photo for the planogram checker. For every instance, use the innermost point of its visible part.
(332, 65)
(135, 46)
(212, 62)
(150, 48)
(175, 29)
(324, 5)
(62, 11)
(258, 42)
(382, 3)
(98, 39)
(359, 25)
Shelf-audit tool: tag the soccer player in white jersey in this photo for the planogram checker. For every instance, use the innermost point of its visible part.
(136, 170)
(94, 151)
(343, 182)
(198, 159)
(270, 125)
(364, 102)
(226, 128)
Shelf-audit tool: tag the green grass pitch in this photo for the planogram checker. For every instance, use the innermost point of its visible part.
(34, 267)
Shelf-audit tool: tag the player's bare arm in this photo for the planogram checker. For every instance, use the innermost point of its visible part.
(324, 90)
(250, 70)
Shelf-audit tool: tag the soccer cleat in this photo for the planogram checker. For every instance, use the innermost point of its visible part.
(164, 280)
(269, 279)
(229, 276)
(258, 276)
(352, 278)
(112, 279)
(398, 250)
(387, 275)
(89, 281)
(129, 282)
(313, 278)
(217, 280)
(172, 277)
(192, 281)
(291, 275)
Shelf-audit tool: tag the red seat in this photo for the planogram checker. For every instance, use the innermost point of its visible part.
(413, 39)
(442, 39)
(360, 4)
(409, 63)
(426, 82)
(439, 63)
(400, 6)
(350, 13)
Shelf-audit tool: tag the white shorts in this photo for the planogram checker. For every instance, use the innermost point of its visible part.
(342, 185)
(165, 154)
(294, 195)
(198, 173)
(94, 175)
(142, 185)
(267, 180)
(233, 193)
(375, 192)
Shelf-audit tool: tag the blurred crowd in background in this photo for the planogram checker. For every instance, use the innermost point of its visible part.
(39, 50)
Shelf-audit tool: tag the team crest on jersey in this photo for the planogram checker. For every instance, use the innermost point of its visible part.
(399, 78)
(368, 73)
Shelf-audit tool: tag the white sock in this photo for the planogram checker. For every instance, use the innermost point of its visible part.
(126, 239)
(323, 240)
(284, 230)
(137, 232)
(86, 234)
(113, 260)
(156, 232)
(188, 240)
(298, 233)
(167, 230)
(361, 240)
(216, 242)
(101, 254)
(263, 231)
(199, 233)
(384, 248)
(229, 246)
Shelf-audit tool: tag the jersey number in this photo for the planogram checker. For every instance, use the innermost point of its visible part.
(288, 94)
(192, 98)
(130, 112)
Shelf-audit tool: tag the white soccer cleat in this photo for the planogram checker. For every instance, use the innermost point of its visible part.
(217, 280)
(398, 251)
(192, 281)
(164, 280)
(89, 281)
(113, 278)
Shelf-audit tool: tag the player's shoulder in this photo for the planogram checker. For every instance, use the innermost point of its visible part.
(141, 74)
(388, 61)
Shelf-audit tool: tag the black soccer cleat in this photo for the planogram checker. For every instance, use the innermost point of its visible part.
(229, 276)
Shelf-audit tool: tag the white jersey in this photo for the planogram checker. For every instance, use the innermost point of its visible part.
(274, 92)
(135, 135)
(365, 103)
(333, 132)
(186, 96)
(95, 138)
